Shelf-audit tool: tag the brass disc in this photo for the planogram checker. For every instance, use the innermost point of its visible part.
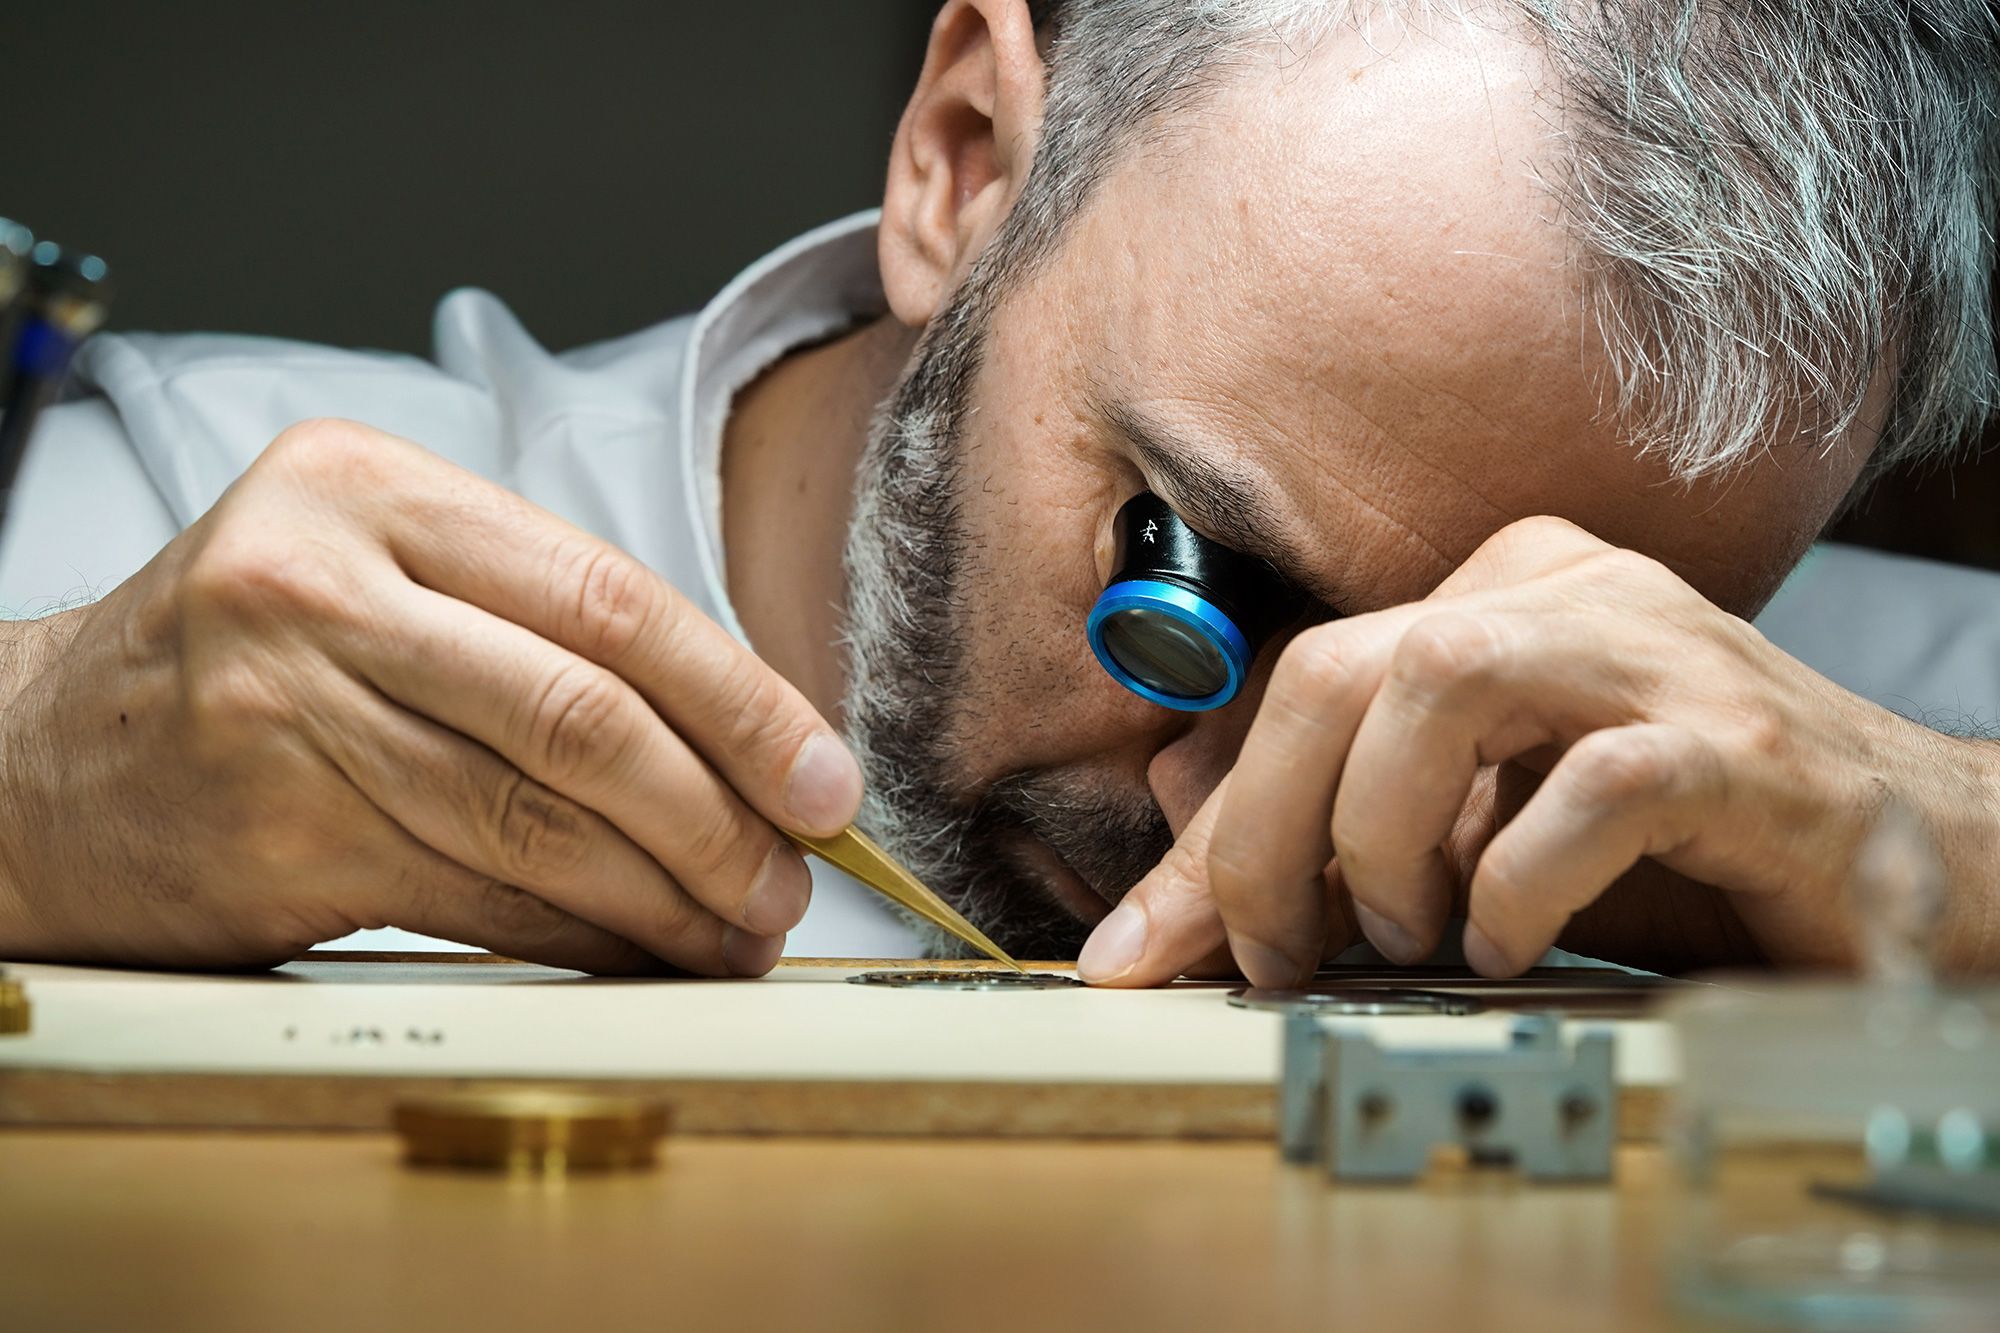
(531, 1131)
(14, 1010)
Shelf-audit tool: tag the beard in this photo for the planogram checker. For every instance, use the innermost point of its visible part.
(908, 684)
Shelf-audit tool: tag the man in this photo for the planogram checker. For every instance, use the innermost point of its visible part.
(1531, 344)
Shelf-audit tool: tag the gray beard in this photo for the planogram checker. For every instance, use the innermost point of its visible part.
(907, 672)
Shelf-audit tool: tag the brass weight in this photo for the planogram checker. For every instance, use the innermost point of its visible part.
(530, 1131)
(14, 1009)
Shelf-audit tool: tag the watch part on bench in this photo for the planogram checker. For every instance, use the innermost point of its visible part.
(1353, 1001)
(965, 980)
(1542, 1105)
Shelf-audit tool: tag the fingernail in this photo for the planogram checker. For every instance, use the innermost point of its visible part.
(748, 955)
(778, 898)
(1390, 940)
(823, 792)
(1115, 947)
(1481, 956)
(1264, 966)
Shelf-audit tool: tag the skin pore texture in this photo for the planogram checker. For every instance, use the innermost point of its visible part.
(1336, 290)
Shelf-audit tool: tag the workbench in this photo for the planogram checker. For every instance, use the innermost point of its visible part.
(220, 1232)
(119, 1209)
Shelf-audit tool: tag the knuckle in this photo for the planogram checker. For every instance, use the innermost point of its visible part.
(537, 834)
(1535, 535)
(1312, 666)
(1546, 528)
(245, 575)
(324, 449)
(1232, 869)
(1624, 568)
(1502, 877)
(1181, 873)
(1448, 650)
(758, 723)
(524, 921)
(577, 726)
(1616, 768)
(1763, 730)
(614, 602)
(675, 921)
(712, 847)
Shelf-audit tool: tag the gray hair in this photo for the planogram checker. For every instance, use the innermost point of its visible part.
(1772, 202)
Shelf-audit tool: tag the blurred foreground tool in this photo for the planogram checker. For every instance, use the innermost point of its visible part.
(1544, 1108)
(60, 299)
(1838, 1141)
(16, 243)
(856, 853)
(531, 1131)
(14, 1011)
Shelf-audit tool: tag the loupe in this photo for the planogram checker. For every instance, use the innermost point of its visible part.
(1183, 617)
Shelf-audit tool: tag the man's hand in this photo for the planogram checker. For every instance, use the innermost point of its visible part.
(369, 688)
(1669, 731)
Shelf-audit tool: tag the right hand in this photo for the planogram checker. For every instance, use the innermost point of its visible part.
(369, 688)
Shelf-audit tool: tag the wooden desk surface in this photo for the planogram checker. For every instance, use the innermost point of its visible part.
(219, 1232)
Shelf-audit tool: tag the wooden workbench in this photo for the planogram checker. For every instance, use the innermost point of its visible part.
(165, 1165)
(155, 1230)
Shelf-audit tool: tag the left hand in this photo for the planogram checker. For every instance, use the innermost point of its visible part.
(1667, 729)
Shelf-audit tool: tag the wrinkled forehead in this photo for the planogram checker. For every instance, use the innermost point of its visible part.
(1342, 268)
(1341, 274)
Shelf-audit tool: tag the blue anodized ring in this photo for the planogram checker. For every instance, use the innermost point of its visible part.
(1189, 609)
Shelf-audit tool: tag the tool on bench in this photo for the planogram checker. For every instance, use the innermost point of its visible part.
(14, 1010)
(1367, 1113)
(1839, 1142)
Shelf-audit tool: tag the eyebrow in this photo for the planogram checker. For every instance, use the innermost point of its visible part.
(1231, 504)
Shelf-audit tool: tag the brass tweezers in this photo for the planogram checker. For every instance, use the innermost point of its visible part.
(856, 853)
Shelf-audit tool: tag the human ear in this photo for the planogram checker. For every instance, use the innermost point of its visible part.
(962, 151)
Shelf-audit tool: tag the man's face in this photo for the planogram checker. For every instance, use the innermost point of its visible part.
(1334, 299)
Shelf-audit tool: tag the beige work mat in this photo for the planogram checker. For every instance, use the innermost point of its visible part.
(332, 1041)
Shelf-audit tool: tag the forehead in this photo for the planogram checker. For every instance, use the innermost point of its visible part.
(1340, 270)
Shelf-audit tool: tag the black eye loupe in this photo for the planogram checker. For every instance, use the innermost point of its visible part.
(1183, 617)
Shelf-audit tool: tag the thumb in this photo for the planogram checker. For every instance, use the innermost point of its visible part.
(1167, 923)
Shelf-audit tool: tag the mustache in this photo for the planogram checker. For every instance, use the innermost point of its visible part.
(1111, 838)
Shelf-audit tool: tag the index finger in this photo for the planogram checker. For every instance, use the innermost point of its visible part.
(1168, 925)
(1268, 853)
(477, 542)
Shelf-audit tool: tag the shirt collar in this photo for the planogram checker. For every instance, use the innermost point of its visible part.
(806, 290)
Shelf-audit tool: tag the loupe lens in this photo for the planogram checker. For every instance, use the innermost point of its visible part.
(1164, 654)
